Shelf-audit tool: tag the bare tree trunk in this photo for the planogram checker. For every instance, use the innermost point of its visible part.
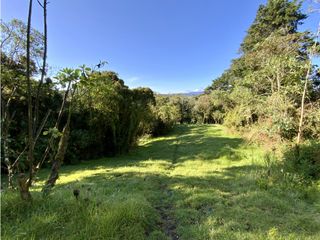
(44, 63)
(29, 92)
(312, 52)
(5, 127)
(24, 181)
(59, 157)
(300, 130)
(5, 135)
(6, 157)
(24, 186)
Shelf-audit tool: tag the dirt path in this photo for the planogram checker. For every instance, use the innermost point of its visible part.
(166, 208)
(168, 222)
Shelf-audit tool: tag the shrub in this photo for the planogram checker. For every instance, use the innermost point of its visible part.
(279, 117)
(304, 159)
(312, 121)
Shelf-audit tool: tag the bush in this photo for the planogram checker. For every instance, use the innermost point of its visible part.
(304, 159)
(239, 116)
(279, 117)
(160, 127)
(312, 121)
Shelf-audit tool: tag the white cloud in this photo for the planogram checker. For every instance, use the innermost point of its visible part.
(194, 90)
(197, 90)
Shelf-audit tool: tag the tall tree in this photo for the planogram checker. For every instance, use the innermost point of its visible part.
(14, 41)
(34, 131)
(25, 181)
(44, 61)
(276, 15)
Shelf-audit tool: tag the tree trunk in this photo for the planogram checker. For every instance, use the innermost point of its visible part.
(6, 159)
(24, 181)
(5, 127)
(44, 63)
(50, 143)
(6, 156)
(300, 130)
(312, 52)
(58, 159)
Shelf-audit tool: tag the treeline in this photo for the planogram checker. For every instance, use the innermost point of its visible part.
(78, 114)
(273, 84)
(106, 116)
(273, 81)
(271, 92)
(201, 109)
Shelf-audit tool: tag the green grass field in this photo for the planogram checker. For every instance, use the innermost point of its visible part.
(197, 183)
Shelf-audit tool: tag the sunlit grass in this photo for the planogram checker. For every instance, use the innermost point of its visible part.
(199, 179)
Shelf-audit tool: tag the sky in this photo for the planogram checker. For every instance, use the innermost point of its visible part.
(171, 46)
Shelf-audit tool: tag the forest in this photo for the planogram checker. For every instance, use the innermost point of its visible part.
(84, 156)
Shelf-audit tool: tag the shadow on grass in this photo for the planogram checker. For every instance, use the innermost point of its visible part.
(190, 141)
(220, 204)
(228, 201)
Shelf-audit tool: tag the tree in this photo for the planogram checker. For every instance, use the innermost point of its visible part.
(276, 15)
(71, 78)
(14, 50)
(24, 180)
(14, 41)
(269, 83)
(203, 109)
(166, 115)
(8, 93)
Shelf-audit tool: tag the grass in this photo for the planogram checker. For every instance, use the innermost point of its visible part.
(197, 183)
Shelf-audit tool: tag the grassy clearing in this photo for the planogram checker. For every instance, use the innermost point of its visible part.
(197, 183)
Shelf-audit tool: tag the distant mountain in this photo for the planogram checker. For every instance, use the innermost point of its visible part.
(188, 94)
(196, 93)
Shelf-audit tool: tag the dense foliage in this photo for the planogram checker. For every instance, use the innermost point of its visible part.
(271, 92)
(79, 114)
(264, 86)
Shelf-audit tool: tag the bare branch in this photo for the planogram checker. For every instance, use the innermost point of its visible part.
(40, 3)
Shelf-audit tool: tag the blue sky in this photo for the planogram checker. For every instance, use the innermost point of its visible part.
(167, 45)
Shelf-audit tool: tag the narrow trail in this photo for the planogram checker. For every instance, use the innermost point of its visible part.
(166, 208)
